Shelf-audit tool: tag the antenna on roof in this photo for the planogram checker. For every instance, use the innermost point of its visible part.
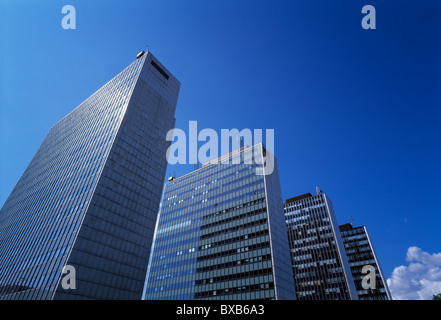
(351, 219)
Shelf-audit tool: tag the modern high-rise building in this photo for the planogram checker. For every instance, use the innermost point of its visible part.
(89, 199)
(361, 254)
(320, 265)
(221, 233)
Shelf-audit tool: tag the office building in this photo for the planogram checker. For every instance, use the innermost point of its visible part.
(89, 198)
(320, 266)
(361, 254)
(221, 234)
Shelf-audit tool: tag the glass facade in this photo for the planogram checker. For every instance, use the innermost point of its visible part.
(218, 235)
(360, 252)
(90, 195)
(320, 265)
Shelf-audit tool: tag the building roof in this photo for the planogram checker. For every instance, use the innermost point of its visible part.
(302, 196)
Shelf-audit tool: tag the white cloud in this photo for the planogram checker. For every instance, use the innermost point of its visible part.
(420, 279)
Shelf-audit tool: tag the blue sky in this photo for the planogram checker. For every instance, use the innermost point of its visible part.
(355, 112)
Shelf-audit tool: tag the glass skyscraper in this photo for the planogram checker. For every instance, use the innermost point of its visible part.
(221, 234)
(90, 196)
(320, 265)
(360, 252)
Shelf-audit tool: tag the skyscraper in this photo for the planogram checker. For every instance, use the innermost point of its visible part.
(90, 196)
(221, 234)
(361, 253)
(320, 265)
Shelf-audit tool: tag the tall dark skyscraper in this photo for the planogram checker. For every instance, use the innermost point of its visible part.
(320, 265)
(361, 253)
(90, 196)
(221, 234)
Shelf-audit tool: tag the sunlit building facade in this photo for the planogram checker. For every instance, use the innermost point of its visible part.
(221, 234)
(90, 196)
